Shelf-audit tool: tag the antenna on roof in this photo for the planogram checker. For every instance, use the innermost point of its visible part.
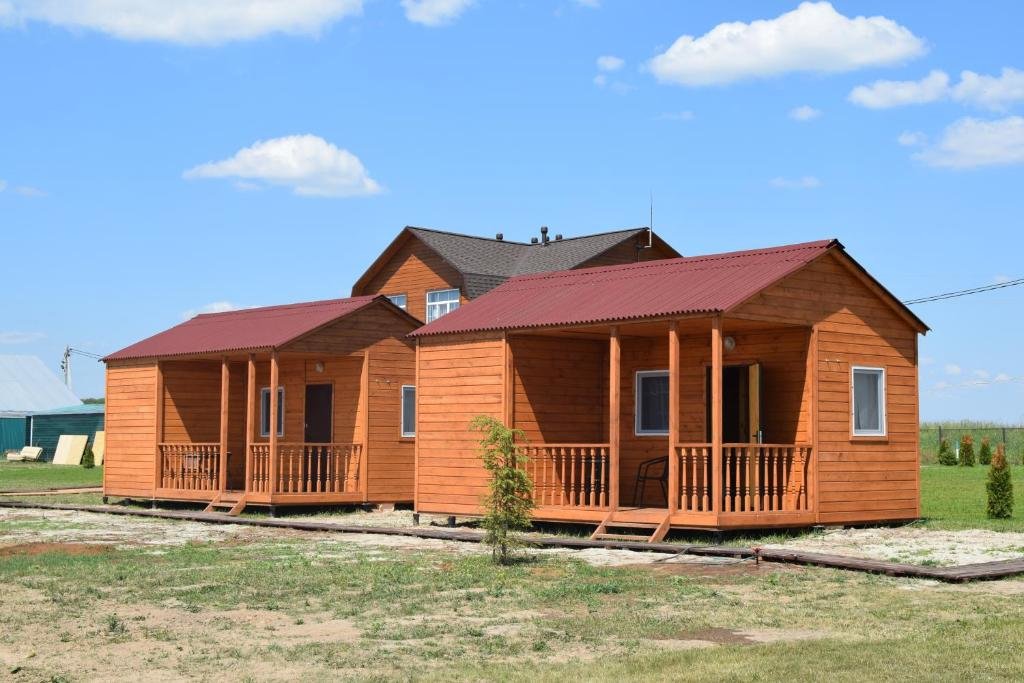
(640, 246)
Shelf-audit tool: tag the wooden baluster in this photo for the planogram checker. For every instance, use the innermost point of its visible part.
(603, 454)
(727, 484)
(704, 502)
(593, 478)
(757, 478)
(691, 454)
(779, 479)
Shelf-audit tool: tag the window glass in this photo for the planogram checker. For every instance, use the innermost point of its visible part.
(399, 300)
(265, 411)
(868, 401)
(408, 411)
(440, 302)
(652, 402)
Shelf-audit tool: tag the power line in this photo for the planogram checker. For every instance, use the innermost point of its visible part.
(965, 292)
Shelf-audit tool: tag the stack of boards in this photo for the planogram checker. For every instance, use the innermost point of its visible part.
(71, 447)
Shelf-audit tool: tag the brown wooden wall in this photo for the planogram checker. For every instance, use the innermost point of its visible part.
(414, 270)
(130, 422)
(867, 478)
(459, 378)
(628, 253)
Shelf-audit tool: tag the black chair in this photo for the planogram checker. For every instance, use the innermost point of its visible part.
(655, 469)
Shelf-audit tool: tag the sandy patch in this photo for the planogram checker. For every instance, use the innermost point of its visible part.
(68, 526)
(914, 546)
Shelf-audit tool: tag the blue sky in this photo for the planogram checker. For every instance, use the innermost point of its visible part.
(154, 165)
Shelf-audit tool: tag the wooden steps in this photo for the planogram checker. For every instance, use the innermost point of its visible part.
(232, 501)
(618, 524)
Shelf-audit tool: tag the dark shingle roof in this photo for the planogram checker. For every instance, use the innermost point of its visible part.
(485, 263)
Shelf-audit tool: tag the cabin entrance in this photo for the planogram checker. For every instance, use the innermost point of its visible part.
(319, 399)
(741, 404)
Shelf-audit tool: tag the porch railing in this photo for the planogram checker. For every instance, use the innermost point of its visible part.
(568, 475)
(190, 466)
(755, 477)
(308, 468)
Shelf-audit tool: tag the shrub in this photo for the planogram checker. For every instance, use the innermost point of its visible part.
(985, 452)
(508, 502)
(999, 486)
(966, 451)
(88, 459)
(946, 454)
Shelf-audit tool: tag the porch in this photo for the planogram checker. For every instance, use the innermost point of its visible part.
(215, 442)
(701, 422)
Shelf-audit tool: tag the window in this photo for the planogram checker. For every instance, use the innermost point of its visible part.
(408, 410)
(440, 302)
(868, 401)
(265, 411)
(652, 402)
(399, 300)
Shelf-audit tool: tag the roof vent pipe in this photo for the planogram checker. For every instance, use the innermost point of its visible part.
(533, 240)
(544, 235)
(499, 237)
(558, 237)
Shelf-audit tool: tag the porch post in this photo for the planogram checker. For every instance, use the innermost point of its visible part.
(673, 415)
(614, 381)
(158, 429)
(364, 406)
(250, 419)
(225, 397)
(508, 392)
(716, 414)
(275, 378)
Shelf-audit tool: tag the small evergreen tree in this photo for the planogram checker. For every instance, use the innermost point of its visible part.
(999, 486)
(509, 500)
(985, 452)
(946, 454)
(966, 451)
(88, 459)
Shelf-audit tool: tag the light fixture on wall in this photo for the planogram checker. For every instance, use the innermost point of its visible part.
(729, 343)
(319, 367)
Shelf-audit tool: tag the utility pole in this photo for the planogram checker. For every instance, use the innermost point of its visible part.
(65, 365)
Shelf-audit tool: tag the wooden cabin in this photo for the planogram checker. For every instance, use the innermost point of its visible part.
(432, 272)
(768, 388)
(189, 410)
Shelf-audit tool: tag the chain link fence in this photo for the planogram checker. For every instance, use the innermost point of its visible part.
(933, 434)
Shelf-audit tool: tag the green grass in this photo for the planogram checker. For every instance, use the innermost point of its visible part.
(954, 498)
(444, 615)
(38, 476)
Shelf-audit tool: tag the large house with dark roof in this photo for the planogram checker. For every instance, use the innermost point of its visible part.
(431, 272)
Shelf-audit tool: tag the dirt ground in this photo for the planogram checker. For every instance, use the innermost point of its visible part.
(914, 546)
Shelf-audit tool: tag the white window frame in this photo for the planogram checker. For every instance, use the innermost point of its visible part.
(883, 422)
(446, 305)
(637, 407)
(405, 298)
(265, 391)
(401, 423)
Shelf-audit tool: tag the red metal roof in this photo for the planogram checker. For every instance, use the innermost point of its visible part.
(246, 330)
(712, 283)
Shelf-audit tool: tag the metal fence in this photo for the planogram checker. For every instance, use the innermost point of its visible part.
(932, 436)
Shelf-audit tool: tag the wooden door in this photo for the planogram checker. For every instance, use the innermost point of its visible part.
(319, 406)
(754, 403)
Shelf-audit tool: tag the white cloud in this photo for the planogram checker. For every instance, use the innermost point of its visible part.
(600, 80)
(990, 92)
(970, 143)
(308, 164)
(435, 12)
(29, 191)
(942, 385)
(3, 185)
(927, 360)
(804, 113)
(1001, 279)
(685, 115)
(885, 94)
(213, 307)
(981, 374)
(806, 182)
(610, 63)
(189, 22)
(592, 4)
(20, 337)
(814, 37)
(1001, 378)
(953, 369)
(912, 138)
